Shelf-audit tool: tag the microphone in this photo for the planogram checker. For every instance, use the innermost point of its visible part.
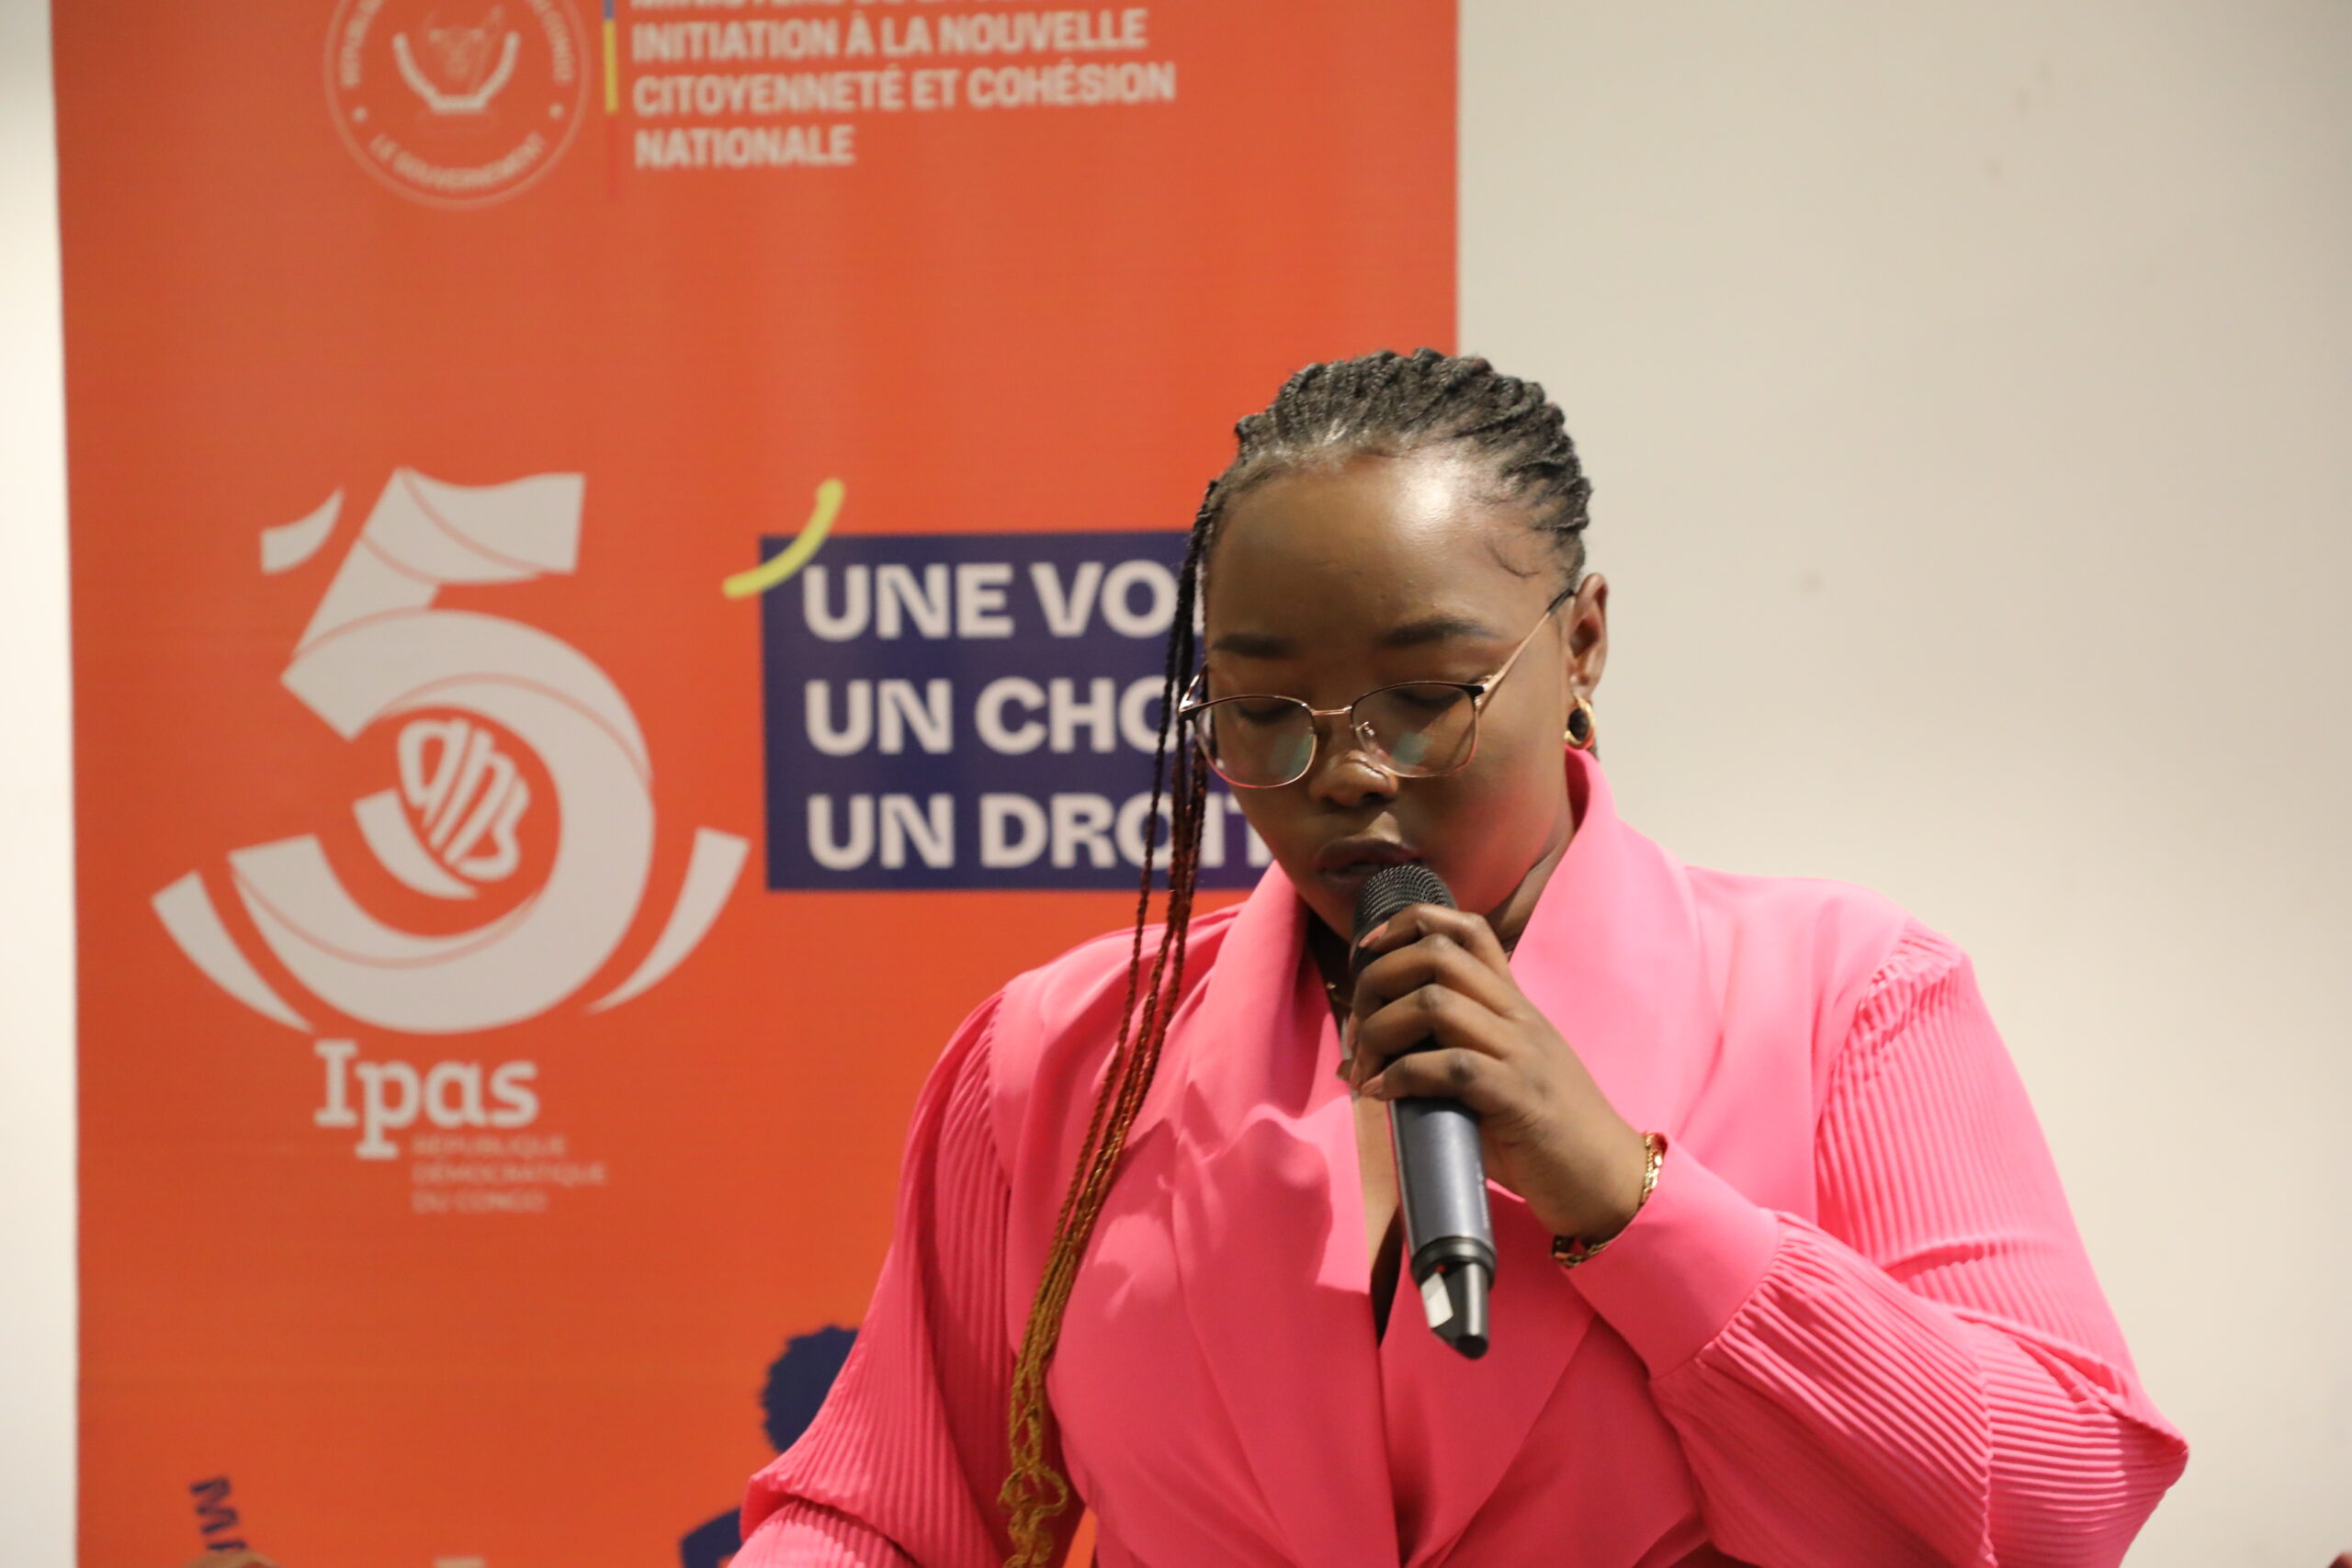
(1440, 1174)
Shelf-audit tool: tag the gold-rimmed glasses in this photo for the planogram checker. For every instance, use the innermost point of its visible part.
(1414, 729)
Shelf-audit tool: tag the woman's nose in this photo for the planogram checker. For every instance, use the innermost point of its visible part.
(1348, 769)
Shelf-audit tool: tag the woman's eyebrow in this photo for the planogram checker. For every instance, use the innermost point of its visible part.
(1410, 634)
(1255, 644)
(1436, 628)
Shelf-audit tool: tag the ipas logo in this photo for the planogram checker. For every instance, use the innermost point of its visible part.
(456, 104)
(500, 728)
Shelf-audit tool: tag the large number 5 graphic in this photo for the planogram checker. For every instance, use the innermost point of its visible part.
(377, 651)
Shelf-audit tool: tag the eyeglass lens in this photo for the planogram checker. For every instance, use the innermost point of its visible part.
(1419, 730)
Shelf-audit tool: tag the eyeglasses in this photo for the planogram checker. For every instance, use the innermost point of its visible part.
(1414, 730)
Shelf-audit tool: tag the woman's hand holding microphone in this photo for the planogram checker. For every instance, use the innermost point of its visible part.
(1437, 1013)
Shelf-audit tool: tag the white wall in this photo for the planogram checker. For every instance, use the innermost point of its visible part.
(36, 890)
(1968, 392)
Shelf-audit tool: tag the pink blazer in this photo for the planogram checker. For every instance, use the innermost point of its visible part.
(1853, 1325)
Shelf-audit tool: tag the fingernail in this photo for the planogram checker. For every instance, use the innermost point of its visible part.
(1377, 1087)
(1371, 938)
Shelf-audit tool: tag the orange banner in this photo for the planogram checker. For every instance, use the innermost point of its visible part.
(617, 560)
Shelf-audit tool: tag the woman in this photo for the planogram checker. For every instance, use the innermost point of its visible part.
(1785, 1276)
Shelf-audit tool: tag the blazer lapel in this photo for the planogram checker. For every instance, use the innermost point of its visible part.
(1269, 1237)
(1613, 955)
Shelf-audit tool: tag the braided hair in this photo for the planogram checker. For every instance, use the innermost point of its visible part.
(1383, 405)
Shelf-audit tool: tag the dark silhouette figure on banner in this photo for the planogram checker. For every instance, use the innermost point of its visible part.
(797, 1382)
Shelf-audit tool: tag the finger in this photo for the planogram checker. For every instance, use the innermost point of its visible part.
(1437, 958)
(1417, 920)
(1433, 1016)
(1477, 1081)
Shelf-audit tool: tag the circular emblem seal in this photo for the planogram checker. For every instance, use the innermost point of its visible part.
(456, 103)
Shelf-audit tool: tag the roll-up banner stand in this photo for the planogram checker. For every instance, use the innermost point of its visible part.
(621, 561)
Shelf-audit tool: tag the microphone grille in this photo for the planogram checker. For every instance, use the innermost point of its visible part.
(1393, 887)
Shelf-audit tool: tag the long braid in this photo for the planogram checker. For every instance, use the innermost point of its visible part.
(1381, 404)
(1035, 1492)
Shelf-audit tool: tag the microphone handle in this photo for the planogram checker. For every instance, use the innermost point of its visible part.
(1449, 1235)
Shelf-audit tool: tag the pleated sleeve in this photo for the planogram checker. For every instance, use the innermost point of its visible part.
(1930, 1373)
(902, 1464)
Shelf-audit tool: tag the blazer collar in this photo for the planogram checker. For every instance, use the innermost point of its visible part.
(1614, 954)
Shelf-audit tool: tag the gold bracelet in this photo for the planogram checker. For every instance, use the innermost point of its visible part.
(1567, 1251)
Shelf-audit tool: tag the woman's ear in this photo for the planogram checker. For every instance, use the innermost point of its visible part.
(1584, 635)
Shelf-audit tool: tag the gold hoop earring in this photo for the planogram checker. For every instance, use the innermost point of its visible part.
(1581, 727)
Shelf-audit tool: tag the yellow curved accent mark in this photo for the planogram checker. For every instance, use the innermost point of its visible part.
(768, 573)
